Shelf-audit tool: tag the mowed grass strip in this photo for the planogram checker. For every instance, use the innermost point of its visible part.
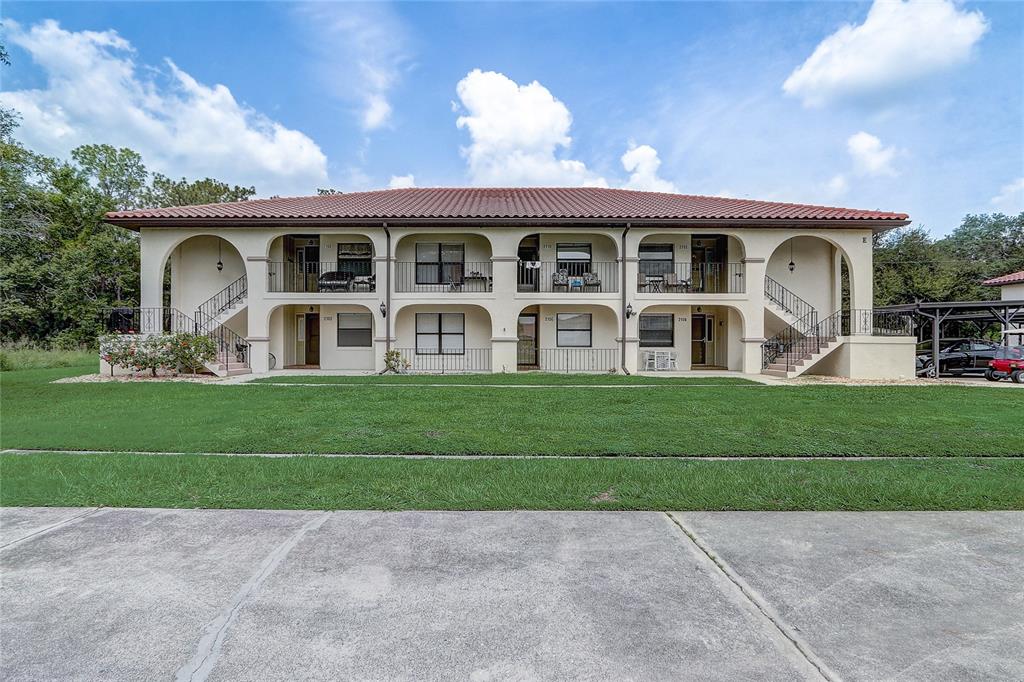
(724, 420)
(522, 379)
(198, 481)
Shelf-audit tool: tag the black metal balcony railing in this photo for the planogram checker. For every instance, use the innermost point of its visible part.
(686, 278)
(568, 359)
(462, 276)
(327, 277)
(568, 276)
(469, 360)
(146, 321)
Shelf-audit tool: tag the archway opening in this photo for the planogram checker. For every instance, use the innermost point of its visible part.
(306, 263)
(444, 338)
(568, 262)
(451, 261)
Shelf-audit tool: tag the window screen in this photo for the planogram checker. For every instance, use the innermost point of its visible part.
(355, 330)
(656, 330)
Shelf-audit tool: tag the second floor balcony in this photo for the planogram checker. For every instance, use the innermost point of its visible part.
(568, 276)
(666, 277)
(329, 277)
(443, 277)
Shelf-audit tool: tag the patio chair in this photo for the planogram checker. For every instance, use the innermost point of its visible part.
(673, 283)
(641, 282)
(591, 280)
(560, 279)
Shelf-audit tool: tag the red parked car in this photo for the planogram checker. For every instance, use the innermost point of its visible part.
(1008, 362)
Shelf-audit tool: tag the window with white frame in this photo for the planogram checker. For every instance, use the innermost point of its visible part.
(355, 330)
(440, 333)
(573, 330)
(657, 330)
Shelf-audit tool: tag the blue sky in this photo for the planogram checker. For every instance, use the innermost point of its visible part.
(910, 106)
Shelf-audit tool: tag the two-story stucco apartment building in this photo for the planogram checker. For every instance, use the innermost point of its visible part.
(511, 279)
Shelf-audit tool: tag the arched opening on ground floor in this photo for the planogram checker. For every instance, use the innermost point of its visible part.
(568, 338)
(335, 336)
(444, 338)
(690, 337)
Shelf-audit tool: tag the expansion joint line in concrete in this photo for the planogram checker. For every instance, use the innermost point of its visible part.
(748, 593)
(208, 651)
(56, 526)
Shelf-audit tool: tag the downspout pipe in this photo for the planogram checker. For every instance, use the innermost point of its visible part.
(387, 290)
(622, 250)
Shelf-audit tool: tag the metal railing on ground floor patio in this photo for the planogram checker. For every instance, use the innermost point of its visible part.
(469, 360)
(568, 359)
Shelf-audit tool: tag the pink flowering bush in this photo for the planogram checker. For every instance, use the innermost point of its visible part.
(158, 351)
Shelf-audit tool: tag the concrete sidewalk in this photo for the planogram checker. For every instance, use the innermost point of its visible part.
(128, 594)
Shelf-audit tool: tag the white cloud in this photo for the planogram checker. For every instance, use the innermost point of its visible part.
(362, 53)
(1010, 197)
(837, 186)
(898, 42)
(402, 181)
(516, 132)
(870, 156)
(95, 92)
(642, 164)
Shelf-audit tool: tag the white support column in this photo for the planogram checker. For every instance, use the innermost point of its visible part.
(631, 341)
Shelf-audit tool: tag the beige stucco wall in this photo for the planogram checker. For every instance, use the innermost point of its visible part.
(477, 247)
(870, 357)
(1012, 292)
(814, 275)
(194, 274)
(602, 248)
(754, 247)
(477, 324)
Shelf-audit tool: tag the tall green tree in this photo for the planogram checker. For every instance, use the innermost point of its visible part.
(119, 175)
(164, 191)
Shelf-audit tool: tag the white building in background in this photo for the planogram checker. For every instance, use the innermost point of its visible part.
(513, 279)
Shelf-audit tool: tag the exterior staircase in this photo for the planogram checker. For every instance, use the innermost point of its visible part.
(211, 318)
(805, 340)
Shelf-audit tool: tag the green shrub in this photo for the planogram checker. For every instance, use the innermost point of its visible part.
(192, 351)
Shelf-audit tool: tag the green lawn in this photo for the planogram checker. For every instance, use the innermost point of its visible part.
(394, 483)
(524, 379)
(670, 420)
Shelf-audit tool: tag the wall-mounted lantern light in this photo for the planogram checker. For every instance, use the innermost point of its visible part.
(629, 311)
(792, 265)
(383, 310)
(220, 262)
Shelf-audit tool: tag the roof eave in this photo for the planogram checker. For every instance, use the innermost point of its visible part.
(875, 224)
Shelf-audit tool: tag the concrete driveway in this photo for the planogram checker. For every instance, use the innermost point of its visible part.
(147, 594)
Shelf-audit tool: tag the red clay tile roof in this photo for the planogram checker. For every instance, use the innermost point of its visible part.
(507, 204)
(1012, 278)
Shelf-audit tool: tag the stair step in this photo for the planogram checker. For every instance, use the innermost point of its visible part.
(238, 372)
(774, 373)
